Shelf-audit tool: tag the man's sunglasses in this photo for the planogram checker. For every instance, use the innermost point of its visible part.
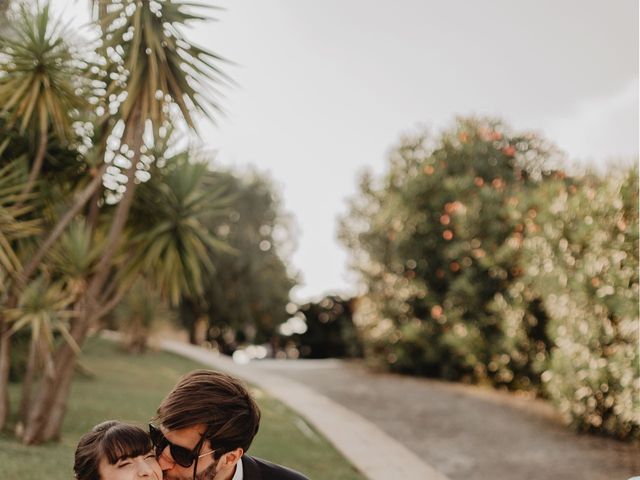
(181, 455)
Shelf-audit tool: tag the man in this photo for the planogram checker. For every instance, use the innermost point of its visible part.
(204, 428)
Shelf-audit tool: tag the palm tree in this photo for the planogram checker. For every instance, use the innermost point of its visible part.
(139, 311)
(39, 89)
(169, 233)
(41, 83)
(159, 69)
(42, 309)
(13, 227)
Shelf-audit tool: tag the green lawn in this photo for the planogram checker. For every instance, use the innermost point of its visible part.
(128, 387)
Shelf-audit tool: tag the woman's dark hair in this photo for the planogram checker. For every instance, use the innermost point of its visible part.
(111, 440)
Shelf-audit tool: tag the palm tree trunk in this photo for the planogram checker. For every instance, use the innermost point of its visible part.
(58, 410)
(47, 411)
(30, 269)
(62, 224)
(54, 388)
(29, 377)
(5, 360)
(134, 141)
(94, 211)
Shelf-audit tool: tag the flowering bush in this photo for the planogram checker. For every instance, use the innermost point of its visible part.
(483, 265)
(583, 263)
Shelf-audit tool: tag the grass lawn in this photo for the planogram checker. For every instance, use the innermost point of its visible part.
(128, 387)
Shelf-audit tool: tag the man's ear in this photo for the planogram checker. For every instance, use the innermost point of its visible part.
(229, 459)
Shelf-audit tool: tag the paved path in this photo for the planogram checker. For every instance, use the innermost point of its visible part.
(462, 432)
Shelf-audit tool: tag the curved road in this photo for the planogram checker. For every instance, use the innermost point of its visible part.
(463, 431)
(431, 427)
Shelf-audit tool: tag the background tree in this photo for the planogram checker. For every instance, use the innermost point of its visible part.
(141, 309)
(581, 258)
(482, 265)
(424, 240)
(245, 297)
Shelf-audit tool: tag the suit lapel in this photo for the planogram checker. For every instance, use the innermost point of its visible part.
(250, 469)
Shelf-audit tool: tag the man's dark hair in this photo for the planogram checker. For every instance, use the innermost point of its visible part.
(216, 400)
(111, 440)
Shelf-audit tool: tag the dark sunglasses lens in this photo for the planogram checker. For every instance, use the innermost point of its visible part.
(182, 456)
(157, 438)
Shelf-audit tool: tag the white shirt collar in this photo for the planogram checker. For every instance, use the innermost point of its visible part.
(239, 474)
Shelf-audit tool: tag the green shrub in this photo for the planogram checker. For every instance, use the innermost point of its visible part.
(482, 265)
(425, 240)
(329, 329)
(583, 262)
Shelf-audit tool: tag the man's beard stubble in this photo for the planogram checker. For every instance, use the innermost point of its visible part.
(207, 474)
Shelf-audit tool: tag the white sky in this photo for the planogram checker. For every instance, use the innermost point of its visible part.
(326, 87)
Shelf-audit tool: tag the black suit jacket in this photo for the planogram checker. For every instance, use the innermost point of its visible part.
(257, 469)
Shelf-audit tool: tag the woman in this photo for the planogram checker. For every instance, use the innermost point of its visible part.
(116, 451)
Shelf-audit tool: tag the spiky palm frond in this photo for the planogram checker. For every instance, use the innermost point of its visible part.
(158, 66)
(40, 75)
(75, 253)
(13, 225)
(43, 309)
(169, 234)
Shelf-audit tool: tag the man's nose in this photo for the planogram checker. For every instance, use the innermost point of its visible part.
(165, 459)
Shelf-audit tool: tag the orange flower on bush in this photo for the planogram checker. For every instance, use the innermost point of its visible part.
(509, 150)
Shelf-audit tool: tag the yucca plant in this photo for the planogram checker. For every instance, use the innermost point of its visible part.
(42, 309)
(14, 227)
(41, 82)
(169, 234)
(153, 70)
(139, 311)
(158, 67)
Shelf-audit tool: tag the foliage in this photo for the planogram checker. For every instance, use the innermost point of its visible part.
(482, 265)
(330, 331)
(42, 79)
(43, 309)
(140, 310)
(169, 235)
(423, 243)
(245, 297)
(154, 64)
(15, 221)
(101, 113)
(583, 262)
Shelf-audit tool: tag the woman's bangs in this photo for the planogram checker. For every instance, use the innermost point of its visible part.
(125, 441)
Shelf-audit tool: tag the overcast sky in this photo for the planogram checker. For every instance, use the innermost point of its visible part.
(326, 88)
